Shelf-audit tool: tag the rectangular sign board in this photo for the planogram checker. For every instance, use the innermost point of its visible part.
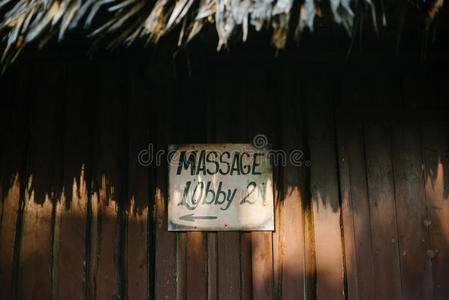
(220, 187)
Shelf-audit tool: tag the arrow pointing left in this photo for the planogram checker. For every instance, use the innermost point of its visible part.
(192, 217)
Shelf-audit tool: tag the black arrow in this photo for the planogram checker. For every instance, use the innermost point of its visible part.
(191, 218)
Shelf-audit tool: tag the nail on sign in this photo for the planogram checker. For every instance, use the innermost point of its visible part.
(220, 187)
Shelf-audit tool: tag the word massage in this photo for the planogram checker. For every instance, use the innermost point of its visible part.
(218, 184)
(212, 163)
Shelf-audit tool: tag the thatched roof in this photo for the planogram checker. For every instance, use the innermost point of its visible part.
(125, 21)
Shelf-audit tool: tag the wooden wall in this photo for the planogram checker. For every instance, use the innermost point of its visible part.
(365, 217)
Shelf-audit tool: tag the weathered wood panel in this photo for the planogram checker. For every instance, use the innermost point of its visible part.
(35, 254)
(391, 181)
(71, 211)
(13, 165)
(411, 212)
(10, 210)
(43, 188)
(435, 148)
(233, 249)
(110, 187)
(196, 242)
(211, 238)
(380, 180)
(262, 127)
(7, 235)
(165, 247)
(384, 234)
(137, 258)
(354, 194)
(325, 195)
(293, 194)
(70, 235)
(355, 210)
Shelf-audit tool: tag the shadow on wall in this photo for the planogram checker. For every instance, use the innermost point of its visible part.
(57, 256)
(79, 216)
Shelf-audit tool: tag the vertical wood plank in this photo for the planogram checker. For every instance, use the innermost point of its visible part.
(138, 194)
(104, 230)
(7, 234)
(324, 193)
(212, 255)
(246, 270)
(71, 211)
(137, 264)
(228, 265)
(380, 182)
(261, 122)
(229, 253)
(291, 223)
(435, 145)
(261, 245)
(111, 185)
(181, 265)
(14, 169)
(35, 255)
(11, 166)
(384, 234)
(196, 242)
(165, 247)
(212, 272)
(196, 266)
(44, 188)
(411, 211)
(183, 117)
(355, 210)
(70, 233)
(240, 100)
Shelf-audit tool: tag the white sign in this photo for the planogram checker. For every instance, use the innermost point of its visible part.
(216, 187)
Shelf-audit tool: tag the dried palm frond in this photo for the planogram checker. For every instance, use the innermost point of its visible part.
(125, 21)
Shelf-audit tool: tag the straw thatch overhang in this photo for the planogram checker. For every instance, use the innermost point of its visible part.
(112, 23)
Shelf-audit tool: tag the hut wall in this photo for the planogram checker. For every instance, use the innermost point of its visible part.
(365, 216)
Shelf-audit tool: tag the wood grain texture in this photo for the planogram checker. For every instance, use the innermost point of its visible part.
(12, 161)
(212, 279)
(369, 217)
(71, 211)
(325, 196)
(181, 265)
(231, 260)
(435, 147)
(293, 193)
(110, 187)
(193, 121)
(262, 122)
(7, 234)
(384, 233)
(43, 190)
(165, 247)
(262, 267)
(139, 196)
(137, 260)
(416, 266)
(103, 241)
(355, 210)
(70, 235)
(35, 255)
(196, 266)
(212, 251)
